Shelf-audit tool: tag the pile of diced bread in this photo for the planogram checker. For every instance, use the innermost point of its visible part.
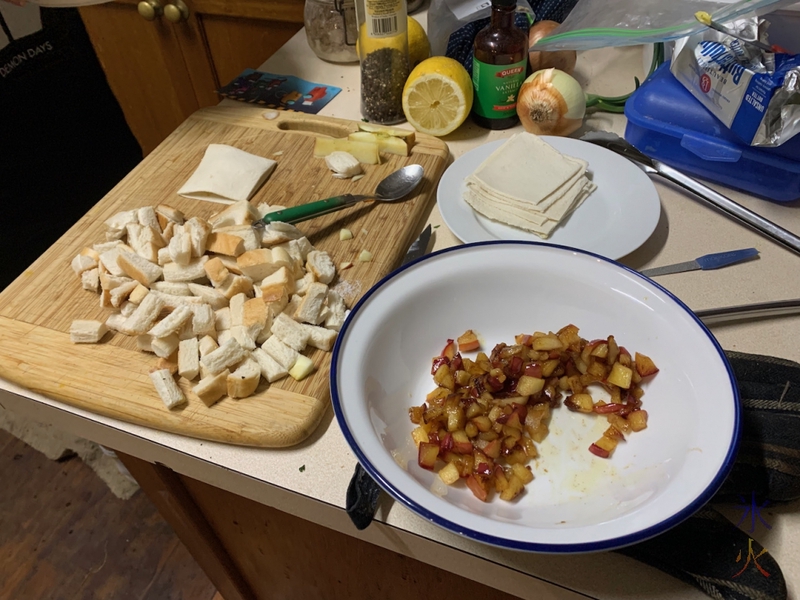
(221, 303)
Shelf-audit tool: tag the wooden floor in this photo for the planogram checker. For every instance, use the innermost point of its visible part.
(63, 535)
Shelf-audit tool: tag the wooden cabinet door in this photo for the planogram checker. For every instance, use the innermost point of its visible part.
(161, 72)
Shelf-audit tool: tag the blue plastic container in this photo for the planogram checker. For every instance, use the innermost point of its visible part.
(667, 123)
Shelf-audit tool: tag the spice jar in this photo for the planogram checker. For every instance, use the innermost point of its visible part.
(331, 29)
(383, 54)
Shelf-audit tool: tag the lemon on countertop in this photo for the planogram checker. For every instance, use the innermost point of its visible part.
(437, 96)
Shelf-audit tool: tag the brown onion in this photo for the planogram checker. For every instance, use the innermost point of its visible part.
(563, 60)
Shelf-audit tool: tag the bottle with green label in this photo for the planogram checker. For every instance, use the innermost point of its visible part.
(500, 57)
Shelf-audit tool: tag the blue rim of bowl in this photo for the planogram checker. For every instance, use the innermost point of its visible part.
(608, 544)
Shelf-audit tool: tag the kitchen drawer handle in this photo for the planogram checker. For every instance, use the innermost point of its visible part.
(176, 11)
(150, 9)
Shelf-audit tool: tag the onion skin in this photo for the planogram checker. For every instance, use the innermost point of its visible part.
(563, 60)
(543, 110)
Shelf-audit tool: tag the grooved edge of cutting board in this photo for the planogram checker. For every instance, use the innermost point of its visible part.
(112, 378)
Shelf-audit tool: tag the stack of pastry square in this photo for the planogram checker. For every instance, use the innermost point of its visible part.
(526, 183)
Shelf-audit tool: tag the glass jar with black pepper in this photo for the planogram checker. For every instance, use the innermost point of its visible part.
(383, 54)
(331, 29)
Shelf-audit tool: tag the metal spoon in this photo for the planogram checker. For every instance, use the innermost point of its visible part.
(393, 187)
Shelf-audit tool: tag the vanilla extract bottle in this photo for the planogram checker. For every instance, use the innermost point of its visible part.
(500, 56)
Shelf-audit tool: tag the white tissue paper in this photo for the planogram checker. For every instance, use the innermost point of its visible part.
(226, 175)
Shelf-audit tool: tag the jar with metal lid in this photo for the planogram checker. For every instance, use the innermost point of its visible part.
(331, 29)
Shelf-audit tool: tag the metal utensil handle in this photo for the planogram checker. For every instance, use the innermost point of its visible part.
(304, 212)
(779, 308)
(734, 209)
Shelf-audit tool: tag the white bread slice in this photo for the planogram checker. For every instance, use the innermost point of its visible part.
(244, 380)
(230, 264)
(214, 298)
(206, 345)
(216, 272)
(145, 315)
(198, 230)
(290, 310)
(166, 213)
(127, 308)
(280, 352)
(203, 320)
(250, 238)
(173, 288)
(276, 306)
(165, 346)
(84, 331)
(171, 302)
(139, 269)
(296, 257)
(109, 245)
(116, 224)
(282, 258)
(238, 213)
(264, 208)
(271, 370)
(164, 256)
(320, 337)
(241, 334)
(225, 243)
(144, 241)
(171, 323)
(90, 280)
(228, 354)
(191, 272)
(224, 336)
(91, 253)
(223, 319)
(189, 358)
(257, 264)
(320, 263)
(301, 285)
(237, 309)
(122, 292)
(138, 294)
(254, 316)
(311, 304)
(82, 263)
(180, 245)
(337, 311)
(289, 332)
(147, 217)
(115, 321)
(210, 389)
(303, 247)
(273, 286)
(170, 363)
(167, 389)
(278, 233)
(108, 259)
(237, 284)
(167, 231)
(265, 330)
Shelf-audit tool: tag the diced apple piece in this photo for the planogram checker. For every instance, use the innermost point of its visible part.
(546, 343)
(515, 486)
(549, 367)
(478, 487)
(419, 435)
(449, 350)
(606, 443)
(529, 386)
(302, 368)
(522, 472)
(580, 403)
(613, 350)
(619, 423)
(449, 474)
(444, 378)
(409, 135)
(386, 143)
(638, 420)
(620, 376)
(428, 454)
(644, 365)
(598, 451)
(482, 422)
(569, 336)
(468, 341)
(365, 152)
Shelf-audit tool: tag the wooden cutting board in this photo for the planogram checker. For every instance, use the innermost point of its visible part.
(112, 378)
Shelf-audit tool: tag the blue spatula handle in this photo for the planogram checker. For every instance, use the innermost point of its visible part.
(723, 259)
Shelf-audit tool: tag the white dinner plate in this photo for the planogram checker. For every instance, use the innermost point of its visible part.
(613, 221)
(577, 502)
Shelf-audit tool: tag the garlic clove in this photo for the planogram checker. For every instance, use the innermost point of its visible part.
(343, 164)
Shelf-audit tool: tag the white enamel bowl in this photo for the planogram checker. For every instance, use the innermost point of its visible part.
(577, 502)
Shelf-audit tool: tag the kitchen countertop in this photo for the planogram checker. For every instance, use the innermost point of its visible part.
(687, 229)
